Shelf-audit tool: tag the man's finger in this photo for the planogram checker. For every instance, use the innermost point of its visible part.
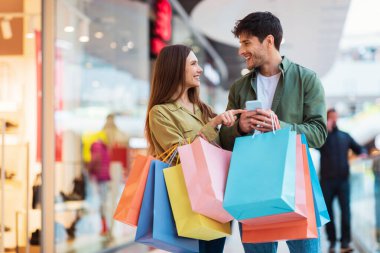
(264, 112)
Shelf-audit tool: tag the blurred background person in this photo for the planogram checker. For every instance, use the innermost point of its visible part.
(334, 176)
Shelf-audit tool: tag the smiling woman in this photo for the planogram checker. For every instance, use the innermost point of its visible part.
(176, 112)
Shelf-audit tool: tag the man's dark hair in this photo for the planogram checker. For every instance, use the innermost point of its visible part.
(260, 25)
(331, 110)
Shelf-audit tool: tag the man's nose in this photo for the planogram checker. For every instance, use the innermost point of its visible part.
(241, 51)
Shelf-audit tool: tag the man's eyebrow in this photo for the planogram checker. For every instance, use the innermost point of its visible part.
(243, 41)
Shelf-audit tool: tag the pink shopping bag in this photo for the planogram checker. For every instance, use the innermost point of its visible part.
(205, 168)
(300, 211)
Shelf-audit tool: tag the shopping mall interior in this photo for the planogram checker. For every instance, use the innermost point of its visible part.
(78, 72)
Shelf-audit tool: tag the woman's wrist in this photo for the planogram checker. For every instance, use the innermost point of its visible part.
(214, 122)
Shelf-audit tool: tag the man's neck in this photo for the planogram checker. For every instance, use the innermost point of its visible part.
(271, 68)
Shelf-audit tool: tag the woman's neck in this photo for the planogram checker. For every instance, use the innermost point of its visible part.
(185, 101)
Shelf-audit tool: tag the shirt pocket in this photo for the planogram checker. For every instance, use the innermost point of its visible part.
(188, 132)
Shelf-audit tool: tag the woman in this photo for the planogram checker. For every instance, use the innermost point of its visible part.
(176, 113)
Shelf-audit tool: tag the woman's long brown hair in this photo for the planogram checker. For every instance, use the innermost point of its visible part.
(168, 75)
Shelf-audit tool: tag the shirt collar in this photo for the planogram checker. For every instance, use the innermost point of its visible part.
(174, 106)
(284, 65)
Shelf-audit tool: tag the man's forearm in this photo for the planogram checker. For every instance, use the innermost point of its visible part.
(227, 136)
(315, 132)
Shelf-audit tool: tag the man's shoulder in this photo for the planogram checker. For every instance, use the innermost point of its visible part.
(293, 66)
(243, 81)
(343, 134)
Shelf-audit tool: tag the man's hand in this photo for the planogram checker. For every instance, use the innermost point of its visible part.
(259, 119)
(246, 121)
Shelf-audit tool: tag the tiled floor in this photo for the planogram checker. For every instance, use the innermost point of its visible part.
(233, 245)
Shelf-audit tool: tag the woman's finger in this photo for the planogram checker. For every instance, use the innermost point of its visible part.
(224, 119)
(237, 111)
(231, 117)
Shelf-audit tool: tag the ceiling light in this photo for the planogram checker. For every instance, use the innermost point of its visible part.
(98, 35)
(84, 38)
(130, 44)
(84, 33)
(69, 29)
(6, 28)
(68, 20)
(125, 49)
(30, 33)
(113, 45)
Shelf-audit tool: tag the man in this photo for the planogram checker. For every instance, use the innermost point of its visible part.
(335, 178)
(291, 92)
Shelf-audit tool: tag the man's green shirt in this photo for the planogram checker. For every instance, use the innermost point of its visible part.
(298, 102)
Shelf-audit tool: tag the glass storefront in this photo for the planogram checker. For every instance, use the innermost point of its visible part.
(101, 91)
(20, 34)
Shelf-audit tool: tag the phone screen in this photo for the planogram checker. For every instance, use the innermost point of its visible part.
(253, 105)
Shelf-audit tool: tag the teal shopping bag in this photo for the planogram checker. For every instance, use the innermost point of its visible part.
(321, 214)
(261, 178)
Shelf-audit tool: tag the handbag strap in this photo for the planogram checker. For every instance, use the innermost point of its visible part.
(175, 153)
(167, 153)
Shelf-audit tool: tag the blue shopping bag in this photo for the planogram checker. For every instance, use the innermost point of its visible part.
(261, 178)
(321, 213)
(156, 225)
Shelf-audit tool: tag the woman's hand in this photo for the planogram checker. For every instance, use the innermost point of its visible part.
(226, 118)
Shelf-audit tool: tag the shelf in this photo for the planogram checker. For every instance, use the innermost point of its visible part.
(71, 206)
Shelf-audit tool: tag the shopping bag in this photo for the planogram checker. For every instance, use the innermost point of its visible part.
(289, 230)
(300, 210)
(261, 178)
(321, 213)
(128, 208)
(189, 223)
(156, 225)
(205, 169)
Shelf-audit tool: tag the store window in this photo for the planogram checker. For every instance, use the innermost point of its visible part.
(20, 202)
(101, 91)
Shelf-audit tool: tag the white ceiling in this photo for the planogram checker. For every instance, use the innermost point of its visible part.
(312, 29)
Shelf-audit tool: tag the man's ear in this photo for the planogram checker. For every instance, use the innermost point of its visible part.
(270, 40)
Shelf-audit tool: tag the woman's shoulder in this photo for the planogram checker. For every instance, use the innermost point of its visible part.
(162, 111)
(164, 108)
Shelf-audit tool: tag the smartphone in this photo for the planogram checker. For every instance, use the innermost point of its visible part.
(252, 105)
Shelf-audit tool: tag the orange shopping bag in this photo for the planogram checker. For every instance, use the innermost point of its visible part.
(290, 230)
(128, 208)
